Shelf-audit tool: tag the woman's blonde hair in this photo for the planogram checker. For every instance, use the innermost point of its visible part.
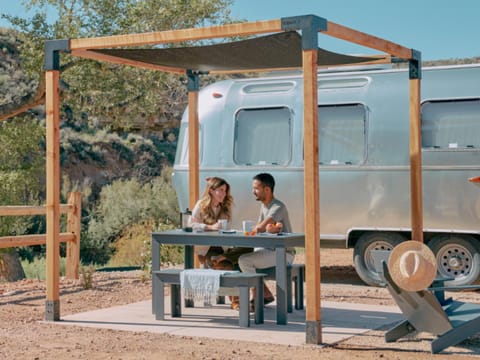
(206, 209)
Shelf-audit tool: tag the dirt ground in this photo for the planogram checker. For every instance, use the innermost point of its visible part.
(23, 335)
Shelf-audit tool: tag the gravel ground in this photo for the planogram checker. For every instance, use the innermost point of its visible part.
(23, 335)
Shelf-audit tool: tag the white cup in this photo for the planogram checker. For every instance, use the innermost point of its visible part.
(248, 225)
(223, 224)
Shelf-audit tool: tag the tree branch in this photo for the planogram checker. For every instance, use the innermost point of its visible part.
(36, 99)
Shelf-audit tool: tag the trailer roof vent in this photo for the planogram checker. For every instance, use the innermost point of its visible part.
(342, 83)
(270, 87)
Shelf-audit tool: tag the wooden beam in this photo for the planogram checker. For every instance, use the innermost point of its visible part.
(373, 42)
(121, 61)
(175, 36)
(25, 210)
(74, 226)
(52, 102)
(311, 197)
(416, 161)
(35, 239)
(193, 156)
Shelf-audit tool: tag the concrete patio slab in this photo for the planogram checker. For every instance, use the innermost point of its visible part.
(339, 321)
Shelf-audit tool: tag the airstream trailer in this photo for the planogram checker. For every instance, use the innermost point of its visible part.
(255, 125)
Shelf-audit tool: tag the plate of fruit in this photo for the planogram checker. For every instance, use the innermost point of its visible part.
(274, 228)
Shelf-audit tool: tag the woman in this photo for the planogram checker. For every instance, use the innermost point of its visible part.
(216, 204)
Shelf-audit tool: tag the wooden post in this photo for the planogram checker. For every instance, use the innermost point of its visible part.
(416, 161)
(52, 306)
(193, 161)
(74, 226)
(311, 197)
(193, 145)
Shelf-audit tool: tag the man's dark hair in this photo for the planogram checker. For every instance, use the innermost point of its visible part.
(266, 179)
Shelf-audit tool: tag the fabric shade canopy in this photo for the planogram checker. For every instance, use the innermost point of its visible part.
(277, 51)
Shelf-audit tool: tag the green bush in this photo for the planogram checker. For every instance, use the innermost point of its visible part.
(36, 269)
(134, 247)
(123, 204)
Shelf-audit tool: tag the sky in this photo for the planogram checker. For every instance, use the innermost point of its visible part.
(439, 29)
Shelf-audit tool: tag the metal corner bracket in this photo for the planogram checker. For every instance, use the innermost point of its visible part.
(415, 65)
(52, 49)
(193, 79)
(310, 26)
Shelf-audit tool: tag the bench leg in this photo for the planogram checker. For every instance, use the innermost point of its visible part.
(159, 300)
(175, 300)
(258, 302)
(244, 313)
(289, 290)
(299, 290)
(154, 293)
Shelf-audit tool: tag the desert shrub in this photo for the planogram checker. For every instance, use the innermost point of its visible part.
(123, 204)
(86, 273)
(131, 245)
(134, 247)
(123, 151)
(36, 269)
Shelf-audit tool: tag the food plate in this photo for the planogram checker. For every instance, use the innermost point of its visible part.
(228, 231)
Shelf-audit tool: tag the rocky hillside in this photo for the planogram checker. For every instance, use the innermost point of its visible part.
(97, 156)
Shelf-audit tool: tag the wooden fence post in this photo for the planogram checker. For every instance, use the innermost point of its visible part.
(74, 226)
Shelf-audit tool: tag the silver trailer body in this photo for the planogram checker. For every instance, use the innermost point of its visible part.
(255, 125)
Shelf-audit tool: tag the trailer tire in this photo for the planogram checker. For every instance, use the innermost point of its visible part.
(362, 257)
(458, 257)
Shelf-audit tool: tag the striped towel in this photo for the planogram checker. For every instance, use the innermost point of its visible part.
(201, 284)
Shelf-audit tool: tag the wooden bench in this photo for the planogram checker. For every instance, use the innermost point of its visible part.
(295, 276)
(239, 280)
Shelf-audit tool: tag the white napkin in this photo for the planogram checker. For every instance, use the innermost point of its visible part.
(201, 284)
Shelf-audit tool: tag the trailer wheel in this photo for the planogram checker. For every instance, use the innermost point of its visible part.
(362, 256)
(458, 257)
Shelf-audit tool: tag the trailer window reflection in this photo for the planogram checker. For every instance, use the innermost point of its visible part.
(451, 124)
(341, 134)
(263, 136)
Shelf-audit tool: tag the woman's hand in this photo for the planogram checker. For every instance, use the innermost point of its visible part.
(213, 227)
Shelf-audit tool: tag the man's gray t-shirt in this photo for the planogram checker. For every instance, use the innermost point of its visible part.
(278, 212)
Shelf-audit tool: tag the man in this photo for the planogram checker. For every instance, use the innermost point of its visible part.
(272, 211)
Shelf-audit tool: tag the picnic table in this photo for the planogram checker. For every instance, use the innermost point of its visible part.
(280, 242)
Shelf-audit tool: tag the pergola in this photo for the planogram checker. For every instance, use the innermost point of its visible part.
(291, 42)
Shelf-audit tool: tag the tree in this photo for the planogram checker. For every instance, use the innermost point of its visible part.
(94, 92)
(22, 163)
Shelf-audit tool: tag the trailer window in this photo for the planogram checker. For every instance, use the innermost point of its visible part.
(451, 124)
(341, 130)
(263, 136)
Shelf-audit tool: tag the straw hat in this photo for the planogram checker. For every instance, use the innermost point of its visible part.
(412, 265)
